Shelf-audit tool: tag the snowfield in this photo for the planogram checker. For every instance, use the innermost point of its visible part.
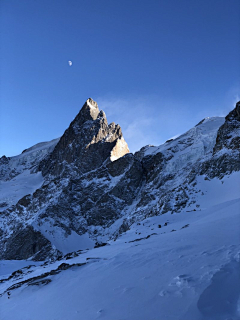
(21, 180)
(13, 190)
(189, 269)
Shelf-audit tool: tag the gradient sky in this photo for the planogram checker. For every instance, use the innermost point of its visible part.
(156, 67)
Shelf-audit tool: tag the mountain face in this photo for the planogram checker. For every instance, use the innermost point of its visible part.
(85, 188)
(86, 144)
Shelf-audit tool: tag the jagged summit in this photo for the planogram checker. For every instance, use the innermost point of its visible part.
(87, 143)
(89, 111)
(173, 209)
(91, 103)
(81, 189)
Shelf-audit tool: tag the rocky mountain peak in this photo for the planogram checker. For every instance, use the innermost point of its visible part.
(90, 191)
(87, 143)
(89, 111)
(91, 103)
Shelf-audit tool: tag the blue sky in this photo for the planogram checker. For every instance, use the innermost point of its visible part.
(155, 67)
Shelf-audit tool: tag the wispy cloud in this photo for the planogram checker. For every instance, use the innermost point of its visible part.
(144, 120)
(153, 120)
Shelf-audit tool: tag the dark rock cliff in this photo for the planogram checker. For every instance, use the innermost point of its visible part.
(92, 183)
(86, 144)
(226, 152)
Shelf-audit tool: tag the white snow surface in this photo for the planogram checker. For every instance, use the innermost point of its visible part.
(216, 191)
(13, 190)
(203, 137)
(24, 181)
(65, 243)
(186, 270)
(181, 266)
(30, 155)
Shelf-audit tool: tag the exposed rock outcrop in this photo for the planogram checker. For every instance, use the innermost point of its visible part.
(228, 133)
(26, 243)
(93, 186)
(86, 144)
(226, 152)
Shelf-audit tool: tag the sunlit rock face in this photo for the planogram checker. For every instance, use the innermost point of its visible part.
(87, 143)
(120, 149)
(72, 191)
(86, 187)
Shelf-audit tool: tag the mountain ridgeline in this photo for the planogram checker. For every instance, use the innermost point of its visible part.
(85, 188)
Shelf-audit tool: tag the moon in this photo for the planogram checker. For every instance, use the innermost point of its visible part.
(70, 63)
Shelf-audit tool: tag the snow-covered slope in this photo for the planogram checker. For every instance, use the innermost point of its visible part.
(193, 144)
(13, 190)
(187, 269)
(18, 176)
(28, 159)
